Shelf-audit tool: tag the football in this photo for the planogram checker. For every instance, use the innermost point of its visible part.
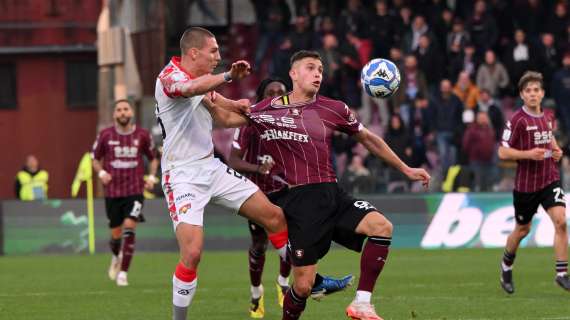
(380, 78)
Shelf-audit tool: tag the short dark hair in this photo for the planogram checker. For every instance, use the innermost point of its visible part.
(264, 84)
(302, 54)
(530, 76)
(194, 38)
(116, 102)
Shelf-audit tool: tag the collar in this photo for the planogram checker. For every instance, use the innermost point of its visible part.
(176, 61)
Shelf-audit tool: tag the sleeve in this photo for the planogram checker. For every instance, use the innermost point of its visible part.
(242, 137)
(511, 134)
(347, 122)
(174, 82)
(98, 151)
(148, 146)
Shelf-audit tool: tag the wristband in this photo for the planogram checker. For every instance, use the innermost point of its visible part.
(227, 76)
(102, 173)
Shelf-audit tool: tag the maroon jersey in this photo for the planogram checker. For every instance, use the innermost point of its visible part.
(298, 136)
(247, 140)
(122, 159)
(526, 131)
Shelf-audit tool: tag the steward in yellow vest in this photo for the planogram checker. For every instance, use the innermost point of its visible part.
(31, 182)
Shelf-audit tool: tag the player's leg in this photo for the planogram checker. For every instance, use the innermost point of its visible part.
(115, 220)
(132, 207)
(256, 255)
(296, 297)
(185, 280)
(282, 284)
(555, 206)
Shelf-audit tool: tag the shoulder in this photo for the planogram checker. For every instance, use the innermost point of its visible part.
(331, 103)
(106, 132)
(142, 131)
(262, 105)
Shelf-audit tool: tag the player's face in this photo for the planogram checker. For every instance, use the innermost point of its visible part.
(532, 95)
(274, 89)
(208, 57)
(123, 113)
(307, 74)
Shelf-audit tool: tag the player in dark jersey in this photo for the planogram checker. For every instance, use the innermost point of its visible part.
(528, 139)
(246, 156)
(297, 130)
(118, 161)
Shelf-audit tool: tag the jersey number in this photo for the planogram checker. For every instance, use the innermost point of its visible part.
(160, 123)
(559, 195)
(236, 174)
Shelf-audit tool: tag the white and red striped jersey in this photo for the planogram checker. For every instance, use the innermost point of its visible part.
(185, 122)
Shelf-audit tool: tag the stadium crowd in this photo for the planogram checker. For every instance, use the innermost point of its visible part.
(460, 63)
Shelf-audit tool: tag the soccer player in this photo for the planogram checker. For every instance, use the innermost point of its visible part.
(118, 161)
(528, 139)
(192, 177)
(296, 130)
(247, 157)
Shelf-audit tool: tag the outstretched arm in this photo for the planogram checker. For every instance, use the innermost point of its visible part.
(237, 162)
(224, 118)
(379, 148)
(507, 153)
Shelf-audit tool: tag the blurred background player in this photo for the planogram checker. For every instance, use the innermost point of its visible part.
(192, 177)
(529, 140)
(118, 161)
(297, 129)
(246, 156)
(32, 181)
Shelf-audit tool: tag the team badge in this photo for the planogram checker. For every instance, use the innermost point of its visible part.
(294, 112)
(184, 208)
(299, 253)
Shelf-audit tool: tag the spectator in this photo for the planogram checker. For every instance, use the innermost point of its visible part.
(487, 104)
(382, 29)
(548, 59)
(482, 27)
(429, 61)
(519, 57)
(279, 66)
(492, 75)
(457, 38)
(442, 26)
(529, 16)
(413, 83)
(301, 37)
(411, 40)
(466, 91)
(31, 182)
(331, 58)
(353, 19)
(273, 23)
(560, 89)
(357, 178)
(466, 61)
(558, 22)
(399, 139)
(404, 23)
(479, 145)
(446, 116)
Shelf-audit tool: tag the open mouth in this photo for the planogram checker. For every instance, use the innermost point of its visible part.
(316, 83)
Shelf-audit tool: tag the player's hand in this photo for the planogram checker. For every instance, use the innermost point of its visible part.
(105, 177)
(243, 106)
(240, 69)
(536, 154)
(265, 167)
(149, 182)
(418, 174)
(557, 154)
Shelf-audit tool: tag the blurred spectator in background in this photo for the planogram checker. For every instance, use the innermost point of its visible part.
(548, 59)
(279, 66)
(487, 104)
(529, 17)
(482, 27)
(31, 182)
(558, 21)
(465, 61)
(442, 25)
(273, 19)
(560, 89)
(331, 58)
(479, 146)
(411, 40)
(353, 19)
(446, 115)
(404, 22)
(457, 39)
(413, 83)
(382, 29)
(302, 36)
(430, 61)
(466, 90)
(492, 75)
(357, 178)
(399, 139)
(519, 58)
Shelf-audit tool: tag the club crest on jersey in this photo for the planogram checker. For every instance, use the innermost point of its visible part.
(299, 253)
(184, 208)
(294, 112)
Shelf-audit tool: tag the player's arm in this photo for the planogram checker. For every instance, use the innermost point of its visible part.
(237, 163)
(209, 82)
(101, 173)
(97, 154)
(224, 118)
(511, 135)
(231, 105)
(556, 151)
(378, 147)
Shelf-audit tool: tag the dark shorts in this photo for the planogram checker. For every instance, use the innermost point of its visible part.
(255, 229)
(318, 214)
(526, 203)
(118, 209)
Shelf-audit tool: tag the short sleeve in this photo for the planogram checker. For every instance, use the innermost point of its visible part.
(173, 82)
(98, 151)
(511, 134)
(148, 147)
(242, 137)
(347, 122)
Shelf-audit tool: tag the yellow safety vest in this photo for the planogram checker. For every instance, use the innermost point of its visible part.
(33, 187)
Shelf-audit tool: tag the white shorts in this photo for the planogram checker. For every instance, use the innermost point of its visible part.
(189, 189)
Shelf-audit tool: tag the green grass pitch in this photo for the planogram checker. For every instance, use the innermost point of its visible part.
(416, 284)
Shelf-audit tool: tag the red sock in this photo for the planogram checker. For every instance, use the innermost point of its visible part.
(279, 240)
(293, 305)
(372, 261)
(184, 274)
(256, 263)
(128, 248)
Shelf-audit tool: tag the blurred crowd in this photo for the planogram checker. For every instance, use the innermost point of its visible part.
(460, 63)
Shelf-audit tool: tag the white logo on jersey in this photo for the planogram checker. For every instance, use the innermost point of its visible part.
(365, 205)
(286, 122)
(273, 134)
(542, 137)
(506, 134)
(529, 128)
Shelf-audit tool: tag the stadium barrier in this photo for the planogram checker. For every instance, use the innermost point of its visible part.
(453, 220)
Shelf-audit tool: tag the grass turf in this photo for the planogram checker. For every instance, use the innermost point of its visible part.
(416, 284)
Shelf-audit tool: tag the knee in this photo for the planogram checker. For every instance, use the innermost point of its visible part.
(276, 221)
(560, 225)
(303, 286)
(523, 231)
(191, 256)
(382, 228)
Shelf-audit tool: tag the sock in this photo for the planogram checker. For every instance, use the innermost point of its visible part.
(184, 283)
(283, 281)
(128, 248)
(561, 268)
(293, 305)
(115, 245)
(284, 268)
(508, 260)
(372, 261)
(363, 296)
(256, 291)
(279, 242)
(318, 280)
(256, 263)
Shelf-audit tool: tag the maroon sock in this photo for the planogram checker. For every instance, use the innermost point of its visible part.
(372, 261)
(115, 245)
(128, 248)
(284, 268)
(256, 263)
(293, 305)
